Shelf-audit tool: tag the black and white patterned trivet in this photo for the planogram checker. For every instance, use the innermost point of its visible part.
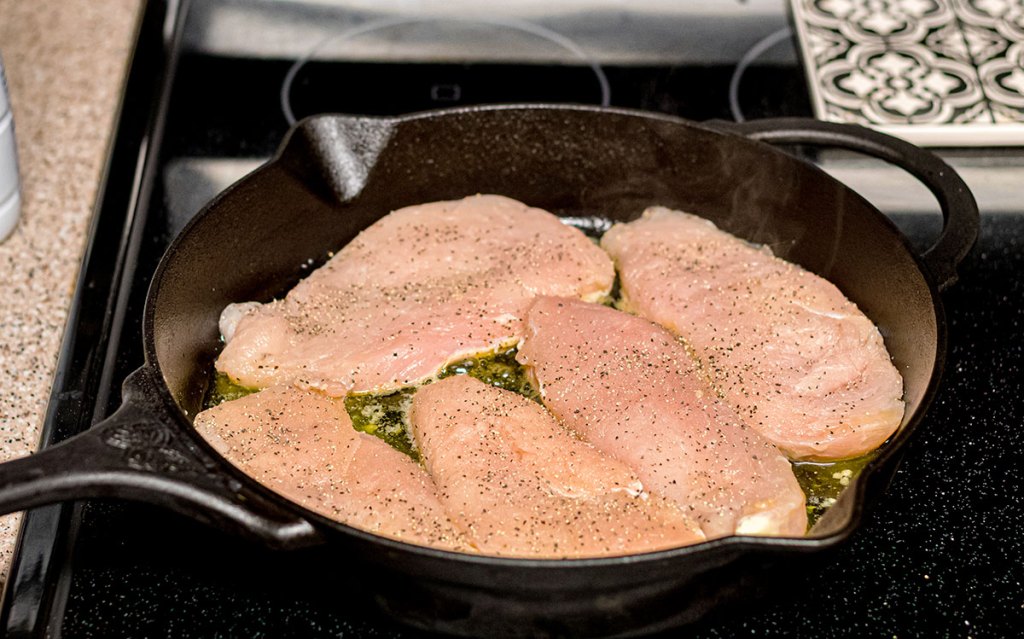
(936, 72)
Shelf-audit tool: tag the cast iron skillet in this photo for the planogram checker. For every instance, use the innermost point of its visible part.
(335, 175)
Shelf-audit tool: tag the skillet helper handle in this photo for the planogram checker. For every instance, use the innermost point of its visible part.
(139, 454)
(959, 209)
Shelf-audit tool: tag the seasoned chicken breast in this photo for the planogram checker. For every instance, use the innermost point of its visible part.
(630, 388)
(424, 286)
(798, 360)
(301, 445)
(519, 484)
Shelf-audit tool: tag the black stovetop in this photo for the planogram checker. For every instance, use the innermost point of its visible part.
(940, 555)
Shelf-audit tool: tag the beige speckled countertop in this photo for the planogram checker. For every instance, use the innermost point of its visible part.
(65, 62)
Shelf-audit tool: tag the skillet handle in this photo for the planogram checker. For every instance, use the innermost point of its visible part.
(139, 453)
(959, 209)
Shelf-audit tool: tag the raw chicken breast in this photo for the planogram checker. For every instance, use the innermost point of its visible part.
(519, 484)
(630, 388)
(424, 286)
(799, 361)
(301, 444)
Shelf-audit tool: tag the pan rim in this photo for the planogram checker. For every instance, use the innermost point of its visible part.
(892, 448)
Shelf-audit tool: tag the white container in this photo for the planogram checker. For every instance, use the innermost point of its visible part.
(10, 190)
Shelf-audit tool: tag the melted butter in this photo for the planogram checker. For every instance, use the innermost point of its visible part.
(822, 482)
(223, 390)
(497, 369)
(387, 416)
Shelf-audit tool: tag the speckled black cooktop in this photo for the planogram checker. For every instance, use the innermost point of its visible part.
(942, 554)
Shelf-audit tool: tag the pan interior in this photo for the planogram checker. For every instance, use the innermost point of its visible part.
(337, 175)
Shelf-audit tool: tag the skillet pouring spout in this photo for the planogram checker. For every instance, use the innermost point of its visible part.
(139, 454)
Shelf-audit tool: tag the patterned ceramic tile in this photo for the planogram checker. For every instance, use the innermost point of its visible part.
(994, 30)
(937, 72)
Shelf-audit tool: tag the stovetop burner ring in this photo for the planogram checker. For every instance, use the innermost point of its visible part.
(753, 53)
(378, 25)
